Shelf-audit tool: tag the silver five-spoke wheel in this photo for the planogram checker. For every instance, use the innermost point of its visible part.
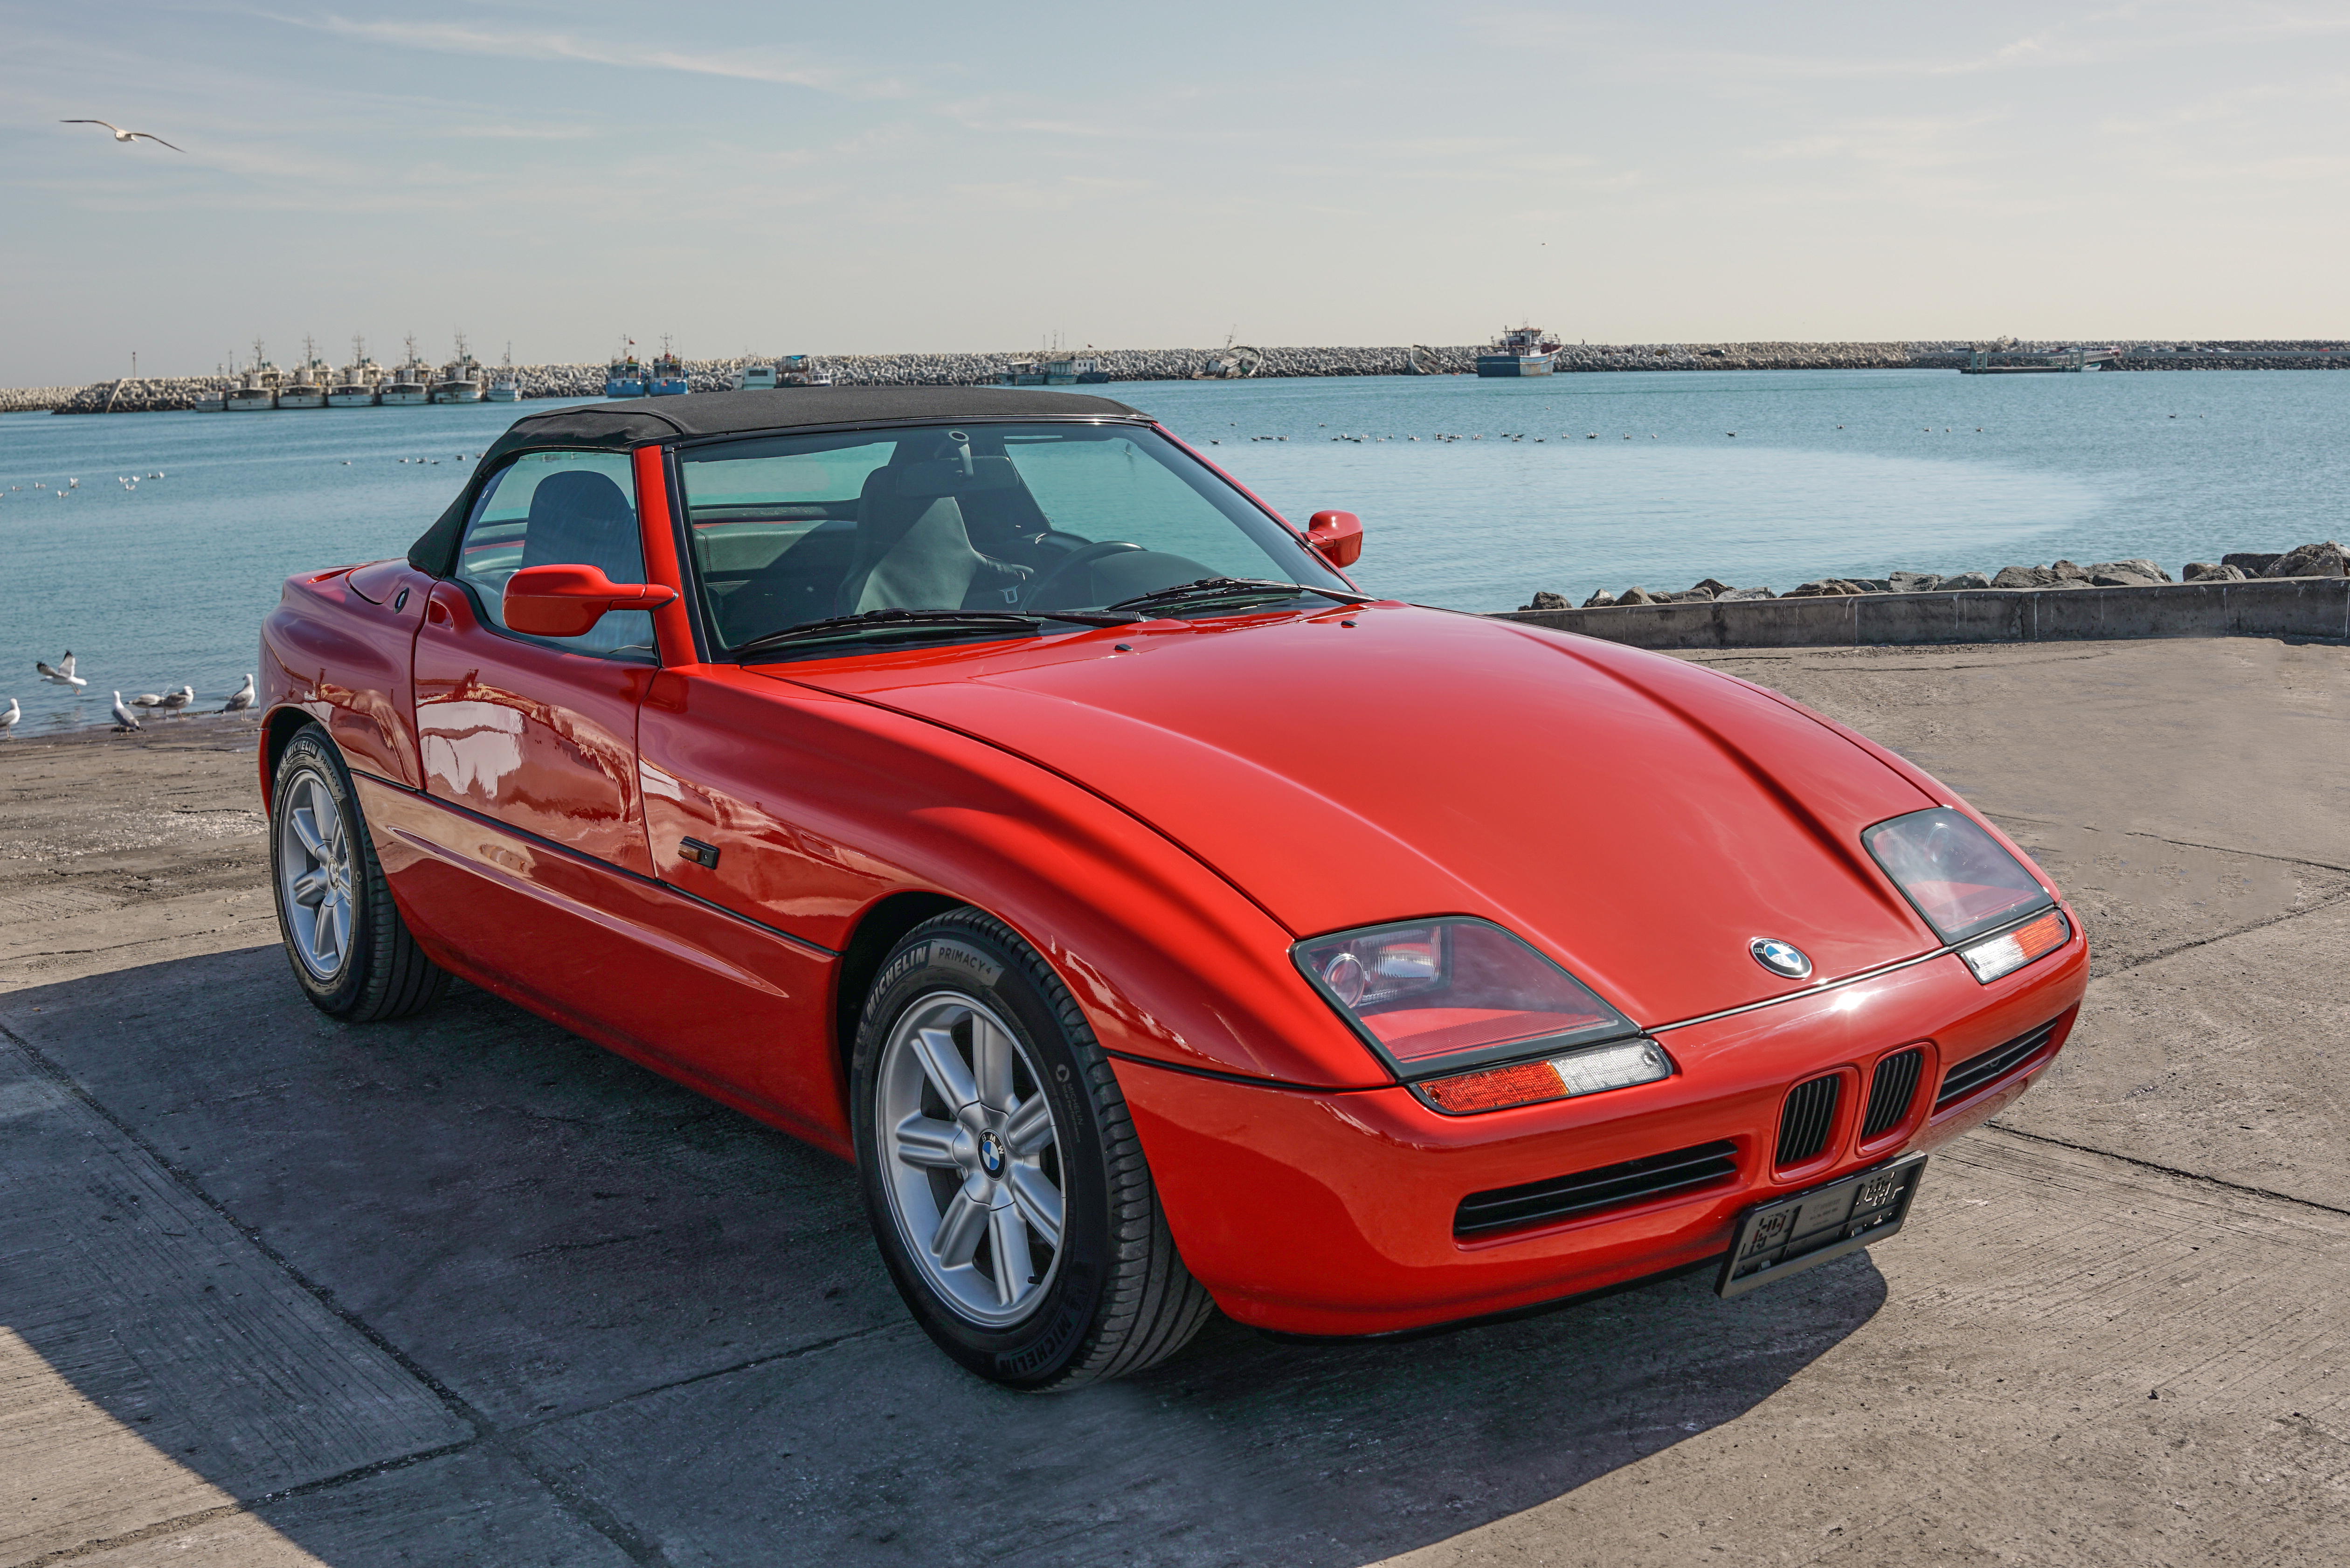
(975, 1176)
(314, 871)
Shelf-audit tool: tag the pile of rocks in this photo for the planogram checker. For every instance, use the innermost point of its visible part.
(2321, 560)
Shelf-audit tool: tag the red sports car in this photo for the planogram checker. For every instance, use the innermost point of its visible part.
(982, 787)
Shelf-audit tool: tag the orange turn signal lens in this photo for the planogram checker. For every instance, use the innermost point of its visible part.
(1526, 1084)
(2007, 954)
(1530, 1083)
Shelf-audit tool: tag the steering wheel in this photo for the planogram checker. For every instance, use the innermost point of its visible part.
(1067, 564)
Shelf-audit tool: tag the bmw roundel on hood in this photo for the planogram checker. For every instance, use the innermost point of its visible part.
(1645, 820)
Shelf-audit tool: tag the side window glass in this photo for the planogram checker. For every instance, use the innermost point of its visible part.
(571, 508)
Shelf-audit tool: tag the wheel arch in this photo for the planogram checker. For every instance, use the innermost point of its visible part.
(278, 732)
(876, 931)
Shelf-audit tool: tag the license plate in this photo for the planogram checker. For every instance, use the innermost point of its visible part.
(1788, 1235)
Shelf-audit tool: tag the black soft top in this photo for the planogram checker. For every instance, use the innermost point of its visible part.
(629, 423)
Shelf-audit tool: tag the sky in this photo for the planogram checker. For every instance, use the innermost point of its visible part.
(789, 178)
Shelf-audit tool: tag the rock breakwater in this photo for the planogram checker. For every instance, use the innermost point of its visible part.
(2326, 559)
(153, 394)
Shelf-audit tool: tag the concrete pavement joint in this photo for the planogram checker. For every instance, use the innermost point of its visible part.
(2318, 908)
(2171, 1171)
(245, 1505)
(590, 1511)
(594, 1515)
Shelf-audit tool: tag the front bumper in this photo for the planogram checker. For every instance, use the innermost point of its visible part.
(1322, 1212)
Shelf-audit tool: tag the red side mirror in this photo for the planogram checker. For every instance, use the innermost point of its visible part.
(565, 600)
(1336, 538)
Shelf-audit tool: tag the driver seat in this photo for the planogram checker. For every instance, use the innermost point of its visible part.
(914, 553)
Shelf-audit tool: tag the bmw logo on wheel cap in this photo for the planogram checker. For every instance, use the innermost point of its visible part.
(1779, 958)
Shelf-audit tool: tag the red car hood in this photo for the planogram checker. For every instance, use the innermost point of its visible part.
(1642, 819)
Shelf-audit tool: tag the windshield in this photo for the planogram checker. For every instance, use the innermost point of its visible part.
(979, 517)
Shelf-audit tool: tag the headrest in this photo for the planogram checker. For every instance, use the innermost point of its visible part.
(584, 493)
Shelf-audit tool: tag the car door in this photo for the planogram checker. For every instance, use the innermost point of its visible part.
(528, 743)
(536, 877)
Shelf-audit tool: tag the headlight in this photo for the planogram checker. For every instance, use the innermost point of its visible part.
(1436, 997)
(1966, 884)
(1957, 875)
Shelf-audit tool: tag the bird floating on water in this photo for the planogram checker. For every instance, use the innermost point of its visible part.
(241, 698)
(63, 674)
(123, 718)
(122, 135)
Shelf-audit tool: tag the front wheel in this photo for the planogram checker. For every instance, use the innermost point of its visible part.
(351, 950)
(1002, 1171)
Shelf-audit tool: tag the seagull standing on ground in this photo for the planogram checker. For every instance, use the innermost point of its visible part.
(175, 700)
(122, 135)
(123, 718)
(63, 674)
(8, 720)
(148, 700)
(241, 698)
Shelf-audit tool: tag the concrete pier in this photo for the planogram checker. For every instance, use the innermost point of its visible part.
(468, 1290)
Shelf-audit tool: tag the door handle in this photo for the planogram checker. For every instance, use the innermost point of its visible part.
(702, 854)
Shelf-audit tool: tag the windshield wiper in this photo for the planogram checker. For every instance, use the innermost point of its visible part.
(1237, 588)
(885, 622)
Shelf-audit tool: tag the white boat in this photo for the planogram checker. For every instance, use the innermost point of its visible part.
(213, 399)
(411, 384)
(461, 379)
(257, 388)
(754, 376)
(355, 386)
(505, 388)
(250, 395)
(307, 388)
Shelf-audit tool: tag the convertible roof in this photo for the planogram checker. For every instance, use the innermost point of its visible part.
(639, 422)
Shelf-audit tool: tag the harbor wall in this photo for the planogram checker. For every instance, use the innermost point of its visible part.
(2292, 607)
(152, 394)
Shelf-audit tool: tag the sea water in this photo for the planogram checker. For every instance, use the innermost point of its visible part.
(1569, 483)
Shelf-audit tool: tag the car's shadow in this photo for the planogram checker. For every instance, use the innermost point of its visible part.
(676, 1317)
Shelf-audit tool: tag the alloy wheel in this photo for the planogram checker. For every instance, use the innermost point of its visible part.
(314, 872)
(974, 1167)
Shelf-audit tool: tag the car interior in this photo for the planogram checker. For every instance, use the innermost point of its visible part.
(940, 520)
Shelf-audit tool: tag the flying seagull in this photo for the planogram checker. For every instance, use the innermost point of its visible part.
(122, 135)
(241, 698)
(63, 674)
(123, 718)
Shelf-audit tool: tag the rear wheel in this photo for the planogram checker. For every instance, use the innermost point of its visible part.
(1002, 1171)
(351, 953)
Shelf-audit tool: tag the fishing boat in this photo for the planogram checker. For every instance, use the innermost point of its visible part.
(307, 387)
(754, 376)
(624, 378)
(257, 390)
(411, 382)
(355, 386)
(460, 377)
(668, 375)
(505, 388)
(1519, 351)
(214, 397)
